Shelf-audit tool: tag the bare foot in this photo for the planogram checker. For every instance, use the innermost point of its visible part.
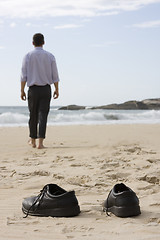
(40, 144)
(32, 142)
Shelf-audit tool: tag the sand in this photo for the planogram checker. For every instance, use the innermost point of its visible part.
(89, 160)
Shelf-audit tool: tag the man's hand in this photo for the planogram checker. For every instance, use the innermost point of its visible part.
(23, 96)
(56, 94)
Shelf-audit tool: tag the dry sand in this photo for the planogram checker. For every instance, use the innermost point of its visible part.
(89, 160)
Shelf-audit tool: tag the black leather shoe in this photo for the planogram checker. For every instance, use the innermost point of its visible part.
(122, 202)
(52, 201)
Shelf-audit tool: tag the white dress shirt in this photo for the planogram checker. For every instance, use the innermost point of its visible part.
(39, 68)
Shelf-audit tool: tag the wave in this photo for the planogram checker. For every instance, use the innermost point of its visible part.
(74, 117)
(9, 118)
(84, 117)
(105, 117)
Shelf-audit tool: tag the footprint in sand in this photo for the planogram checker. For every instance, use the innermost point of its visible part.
(79, 180)
(35, 173)
(109, 165)
(153, 221)
(57, 176)
(76, 165)
(69, 158)
(151, 178)
(132, 149)
(153, 160)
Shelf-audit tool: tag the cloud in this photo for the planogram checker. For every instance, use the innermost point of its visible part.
(39, 25)
(2, 47)
(151, 24)
(13, 24)
(67, 26)
(28, 24)
(78, 8)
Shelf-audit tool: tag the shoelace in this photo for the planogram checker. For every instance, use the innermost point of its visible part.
(38, 200)
(106, 209)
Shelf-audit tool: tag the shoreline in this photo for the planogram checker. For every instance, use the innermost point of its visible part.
(86, 124)
(16, 118)
(89, 159)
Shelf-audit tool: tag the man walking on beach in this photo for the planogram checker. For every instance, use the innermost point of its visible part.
(39, 71)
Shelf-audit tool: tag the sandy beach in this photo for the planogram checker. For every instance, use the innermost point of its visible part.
(89, 160)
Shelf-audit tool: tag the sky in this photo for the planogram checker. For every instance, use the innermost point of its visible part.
(107, 51)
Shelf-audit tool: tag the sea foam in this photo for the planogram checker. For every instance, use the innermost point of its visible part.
(9, 119)
(19, 117)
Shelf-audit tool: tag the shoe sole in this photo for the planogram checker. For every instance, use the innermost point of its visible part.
(56, 212)
(124, 211)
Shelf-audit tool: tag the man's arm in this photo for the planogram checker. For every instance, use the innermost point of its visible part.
(55, 78)
(56, 92)
(24, 77)
(23, 94)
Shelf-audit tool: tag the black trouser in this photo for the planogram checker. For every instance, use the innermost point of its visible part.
(39, 104)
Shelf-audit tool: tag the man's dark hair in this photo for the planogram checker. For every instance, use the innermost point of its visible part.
(38, 39)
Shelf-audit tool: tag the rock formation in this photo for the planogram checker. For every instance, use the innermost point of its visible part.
(147, 104)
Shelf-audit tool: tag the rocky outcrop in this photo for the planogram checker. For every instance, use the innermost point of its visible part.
(130, 105)
(72, 107)
(147, 104)
(152, 103)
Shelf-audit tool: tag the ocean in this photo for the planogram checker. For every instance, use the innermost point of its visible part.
(18, 116)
